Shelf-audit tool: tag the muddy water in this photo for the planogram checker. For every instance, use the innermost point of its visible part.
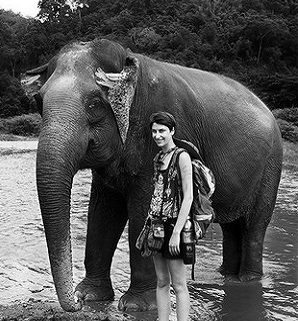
(24, 266)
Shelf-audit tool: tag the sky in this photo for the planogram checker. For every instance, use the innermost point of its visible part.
(27, 8)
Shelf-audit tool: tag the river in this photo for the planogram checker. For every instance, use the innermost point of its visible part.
(24, 266)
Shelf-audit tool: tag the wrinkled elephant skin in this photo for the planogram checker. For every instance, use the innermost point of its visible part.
(96, 99)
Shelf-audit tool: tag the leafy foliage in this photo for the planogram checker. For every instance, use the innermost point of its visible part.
(253, 41)
(289, 115)
(13, 100)
(23, 125)
(288, 130)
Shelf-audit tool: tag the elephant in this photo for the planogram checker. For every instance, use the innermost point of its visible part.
(95, 99)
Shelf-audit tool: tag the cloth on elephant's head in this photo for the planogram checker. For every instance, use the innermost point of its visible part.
(121, 91)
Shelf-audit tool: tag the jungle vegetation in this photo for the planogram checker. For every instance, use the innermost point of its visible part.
(252, 41)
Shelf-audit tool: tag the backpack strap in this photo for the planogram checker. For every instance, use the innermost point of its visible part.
(155, 160)
(193, 261)
(189, 147)
(176, 162)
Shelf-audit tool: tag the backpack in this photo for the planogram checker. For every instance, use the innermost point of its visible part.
(201, 212)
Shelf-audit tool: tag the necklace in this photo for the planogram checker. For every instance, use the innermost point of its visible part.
(162, 155)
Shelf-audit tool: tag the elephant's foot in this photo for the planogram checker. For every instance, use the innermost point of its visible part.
(138, 301)
(95, 290)
(249, 276)
(242, 276)
(227, 271)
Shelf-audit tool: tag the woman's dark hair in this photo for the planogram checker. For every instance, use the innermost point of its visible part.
(163, 118)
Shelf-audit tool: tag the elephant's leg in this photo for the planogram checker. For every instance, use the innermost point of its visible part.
(106, 220)
(141, 295)
(232, 248)
(242, 249)
(257, 221)
(252, 251)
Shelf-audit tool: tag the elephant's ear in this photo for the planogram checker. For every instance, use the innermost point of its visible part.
(121, 89)
(33, 80)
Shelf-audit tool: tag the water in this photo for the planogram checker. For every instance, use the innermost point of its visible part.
(24, 265)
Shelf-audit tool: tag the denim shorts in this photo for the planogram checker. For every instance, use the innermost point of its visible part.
(169, 227)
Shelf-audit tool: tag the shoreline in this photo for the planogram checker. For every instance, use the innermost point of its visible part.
(10, 144)
(11, 137)
(37, 310)
(290, 156)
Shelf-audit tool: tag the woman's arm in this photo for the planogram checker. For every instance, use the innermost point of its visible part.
(187, 188)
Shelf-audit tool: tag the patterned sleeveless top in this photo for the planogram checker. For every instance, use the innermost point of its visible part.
(167, 196)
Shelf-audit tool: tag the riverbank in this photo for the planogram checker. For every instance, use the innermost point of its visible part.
(12, 144)
(290, 149)
(11, 137)
(34, 310)
(290, 156)
(41, 311)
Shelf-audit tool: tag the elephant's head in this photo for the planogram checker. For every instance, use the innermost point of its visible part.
(84, 94)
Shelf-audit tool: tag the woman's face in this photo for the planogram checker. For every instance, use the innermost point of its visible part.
(161, 134)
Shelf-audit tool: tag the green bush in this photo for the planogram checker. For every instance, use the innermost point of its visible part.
(287, 114)
(2, 126)
(288, 130)
(13, 100)
(24, 125)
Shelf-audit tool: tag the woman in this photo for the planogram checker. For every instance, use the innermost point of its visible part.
(168, 262)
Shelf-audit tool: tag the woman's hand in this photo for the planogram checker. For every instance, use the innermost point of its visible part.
(174, 244)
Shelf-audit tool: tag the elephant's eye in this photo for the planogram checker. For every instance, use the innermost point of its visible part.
(95, 103)
(96, 109)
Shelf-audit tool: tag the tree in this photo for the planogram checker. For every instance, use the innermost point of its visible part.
(254, 41)
(13, 27)
(53, 10)
(13, 100)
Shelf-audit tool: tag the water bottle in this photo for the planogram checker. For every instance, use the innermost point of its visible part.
(187, 243)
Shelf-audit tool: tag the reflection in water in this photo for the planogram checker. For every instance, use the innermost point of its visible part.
(25, 272)
(245, 300)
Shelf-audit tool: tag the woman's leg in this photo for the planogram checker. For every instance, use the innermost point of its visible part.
(163, 287)
(178, 275)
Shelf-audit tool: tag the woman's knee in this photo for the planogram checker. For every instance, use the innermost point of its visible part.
(163, 281)
(179, 286)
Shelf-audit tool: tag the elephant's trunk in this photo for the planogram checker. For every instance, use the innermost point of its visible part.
(58, 156)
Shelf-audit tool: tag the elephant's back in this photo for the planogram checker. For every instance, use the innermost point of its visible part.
(213, 92)
(238, 134)
(218, 92)
(228, 104)
(243, 137)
